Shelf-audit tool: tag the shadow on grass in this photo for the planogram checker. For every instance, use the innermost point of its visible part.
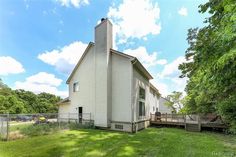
(149, 142)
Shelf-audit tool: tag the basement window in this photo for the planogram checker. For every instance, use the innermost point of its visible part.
(118, 126)
(76, 87)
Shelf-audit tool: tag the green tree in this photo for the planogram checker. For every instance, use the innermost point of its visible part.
(211, 66)
(174, 101)
(21, 101)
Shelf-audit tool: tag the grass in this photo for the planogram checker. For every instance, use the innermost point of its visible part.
(19, 126)
(161, 142)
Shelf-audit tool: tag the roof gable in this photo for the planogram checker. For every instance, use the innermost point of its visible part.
(79, 62)
(135, 62)
(133, 59)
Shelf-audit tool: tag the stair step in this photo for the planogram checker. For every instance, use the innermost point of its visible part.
(192, 127)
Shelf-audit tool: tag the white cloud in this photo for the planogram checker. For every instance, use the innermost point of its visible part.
(64, 59)
(42, 82)
(9, 65)
(171, 69)
(145, 58)
(178, 84)
(75, 3)
(135, 19)
(183, 11)
(44, 78)
(168, 79)
(162, 87)
(167, 85)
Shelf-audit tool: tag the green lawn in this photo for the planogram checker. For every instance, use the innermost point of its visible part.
(161, 142)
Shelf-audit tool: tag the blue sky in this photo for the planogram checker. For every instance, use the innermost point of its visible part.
(41, 41)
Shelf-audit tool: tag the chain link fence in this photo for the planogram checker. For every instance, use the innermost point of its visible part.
(3, 126)
(16, 126)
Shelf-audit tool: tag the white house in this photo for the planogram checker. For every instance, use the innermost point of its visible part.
(112, 86)
(157, 102)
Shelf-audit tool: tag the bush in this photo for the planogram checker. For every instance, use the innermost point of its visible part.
(39, 129)
(76, 126)
(227, 110)
(45, 129)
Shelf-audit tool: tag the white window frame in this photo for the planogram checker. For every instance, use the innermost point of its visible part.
(75, 87)
(141, 100)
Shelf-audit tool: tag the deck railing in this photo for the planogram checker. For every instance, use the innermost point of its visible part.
(184, 118)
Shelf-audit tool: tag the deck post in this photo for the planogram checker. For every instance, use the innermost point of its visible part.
(185, 121)
(184, 118)
(199, 122)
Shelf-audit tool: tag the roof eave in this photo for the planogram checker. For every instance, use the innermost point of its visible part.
(155, 89)
(122, 54)
(63, 101)
(142, 68)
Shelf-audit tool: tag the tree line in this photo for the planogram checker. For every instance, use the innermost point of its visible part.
(211, 63)
(21, 101)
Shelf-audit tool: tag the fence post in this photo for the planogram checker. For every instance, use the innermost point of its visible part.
(8, 127)
(166, 117)
(59, 121)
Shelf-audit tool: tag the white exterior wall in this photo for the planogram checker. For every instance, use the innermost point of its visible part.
(103, 92)
(154, 102)
(162, 107)
(85, 75)
(140, 81)
(64, 108)
(121, 88)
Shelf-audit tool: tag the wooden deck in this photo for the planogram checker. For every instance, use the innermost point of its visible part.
(189, 122)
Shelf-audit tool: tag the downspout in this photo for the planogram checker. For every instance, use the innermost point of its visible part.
(94, 116)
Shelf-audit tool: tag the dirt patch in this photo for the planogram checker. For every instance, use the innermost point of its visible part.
(15, 135)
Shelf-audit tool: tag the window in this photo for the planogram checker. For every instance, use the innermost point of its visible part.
(76, 87)
(141, 102)
(118, 126)
(141, 93)
(141, 108)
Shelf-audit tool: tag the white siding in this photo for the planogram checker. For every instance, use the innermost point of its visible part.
(140, 81)
(64, 108)
(154, 102)
(84, 74)
(162, 107)
(121, 88)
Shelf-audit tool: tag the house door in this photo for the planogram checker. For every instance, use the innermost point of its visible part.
(80, 114)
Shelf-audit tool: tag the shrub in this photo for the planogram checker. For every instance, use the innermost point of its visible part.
(39, 129)
(76, 126)
(227, 109)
